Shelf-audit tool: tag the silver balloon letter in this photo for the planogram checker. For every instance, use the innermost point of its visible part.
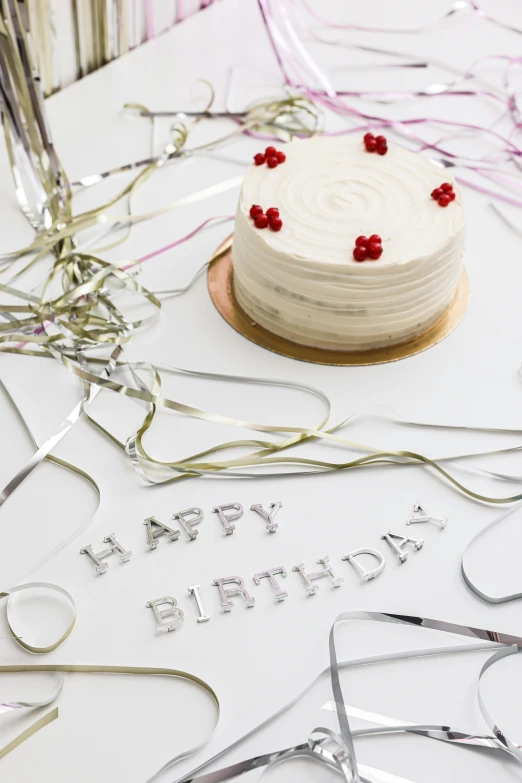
(399, 548)
(419, 514)
(235, 510)
(203, 616)
(268, 516)
(237, 587)
(155, 529)
(363, 573)
(97, 557)
(271, 574)
(326, 571)
(189, 518)
(166, 619)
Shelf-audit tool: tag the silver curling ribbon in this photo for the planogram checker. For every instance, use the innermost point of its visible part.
(41, 185)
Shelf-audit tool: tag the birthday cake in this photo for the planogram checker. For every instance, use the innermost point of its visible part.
(347, 243)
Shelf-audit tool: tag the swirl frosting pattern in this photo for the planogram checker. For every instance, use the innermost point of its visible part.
(302, 282)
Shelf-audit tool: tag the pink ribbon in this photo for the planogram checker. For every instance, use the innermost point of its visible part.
(159, 251)
(149, 20)
(308, 79)
(458, 7)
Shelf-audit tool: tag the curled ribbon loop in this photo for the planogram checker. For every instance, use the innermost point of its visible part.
(337, 750)
(38, 586)
(490, 599)
(9, 707)
(63, 669)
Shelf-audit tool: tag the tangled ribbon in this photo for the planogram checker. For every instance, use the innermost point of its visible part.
(287, 25)
(337, 750)
(77, 318)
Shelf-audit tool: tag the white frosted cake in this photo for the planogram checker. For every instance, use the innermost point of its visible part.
(298, 277)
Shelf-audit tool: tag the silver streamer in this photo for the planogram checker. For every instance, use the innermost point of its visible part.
(337, 750)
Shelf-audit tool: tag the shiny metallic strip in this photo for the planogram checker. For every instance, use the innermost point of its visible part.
(28, 141)
(95, 669)
(269, 760)
(373, 455)
(57, 436)
(188, 466)
(497, 742)
(43, 35)
(490, 599)
(513, 747)
(76, 34)
(94, 179)
(193, 469)
(32, 648)
(73, 469)
(106, 29)
(36, 726)
(42, 452)
(209, 115)
(87, 36)
(277, 115)
(98, 26)
(123, 26)
(371, 717)
(434, 732)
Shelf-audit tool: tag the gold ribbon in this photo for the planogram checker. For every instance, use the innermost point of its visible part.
(27, 135)
(267, 450)
(92, 669)
(62, 669)
(32, 729)
(38, 586)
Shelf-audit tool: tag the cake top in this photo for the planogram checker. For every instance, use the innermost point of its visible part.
(331, 190)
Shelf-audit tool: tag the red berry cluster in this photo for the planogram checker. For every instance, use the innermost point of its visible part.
(262, 220)
(443, 194)
(376, 144)
(368, 247)
(271, 157)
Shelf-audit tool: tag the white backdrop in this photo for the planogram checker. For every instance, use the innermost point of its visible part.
(124, 729)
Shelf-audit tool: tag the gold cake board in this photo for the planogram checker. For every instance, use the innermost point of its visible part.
(221, 291)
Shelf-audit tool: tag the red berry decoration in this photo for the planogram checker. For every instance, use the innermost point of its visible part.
(359, 253)
(272, 213)
(368, 248)
(374, 250)
(443, 194)
(255, 210)
(362, 242)
(271, 157)
(276, 224)
(261, 221)
(376, 144)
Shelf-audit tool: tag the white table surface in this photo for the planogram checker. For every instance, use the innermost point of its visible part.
(121, 728)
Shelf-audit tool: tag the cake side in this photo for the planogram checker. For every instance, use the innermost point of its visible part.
(303, 283)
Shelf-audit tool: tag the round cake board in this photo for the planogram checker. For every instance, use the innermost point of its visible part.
(219, 278)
